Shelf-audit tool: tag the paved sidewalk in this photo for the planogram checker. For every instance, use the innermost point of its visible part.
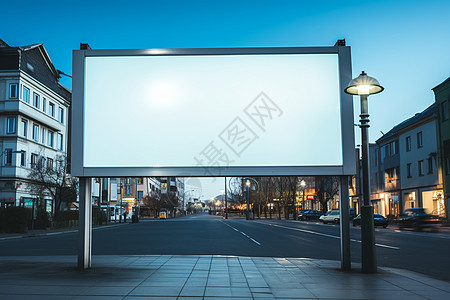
(206, 277)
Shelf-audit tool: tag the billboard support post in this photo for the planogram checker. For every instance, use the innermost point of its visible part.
(85, 224)
(344, 223)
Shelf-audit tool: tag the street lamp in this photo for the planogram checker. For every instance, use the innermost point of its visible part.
(303, 185)
(248, 183)
(364, 86)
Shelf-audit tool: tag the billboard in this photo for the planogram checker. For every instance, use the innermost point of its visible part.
(212, 112)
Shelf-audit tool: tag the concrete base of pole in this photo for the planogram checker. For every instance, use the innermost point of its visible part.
(368, 255)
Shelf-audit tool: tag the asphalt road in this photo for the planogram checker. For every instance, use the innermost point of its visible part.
(424, 252)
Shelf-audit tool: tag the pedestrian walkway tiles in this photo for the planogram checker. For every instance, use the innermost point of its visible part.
(206, 277)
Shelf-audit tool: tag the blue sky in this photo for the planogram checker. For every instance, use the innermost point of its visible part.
(404, 44)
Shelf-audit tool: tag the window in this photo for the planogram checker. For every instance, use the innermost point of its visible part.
(50, 138)
(376, 156)
(419, 140)
(43, 135)
(44, 104)
(377, 181)
(23, 128)
(408, 143)
(139, 180)
(23, 157)
(13, 89)
(41, 162)
(36, 99)
(447, 164)
(60, 142)
(140, 195)
(26, 94)
(391, 148)
(444, 110)
(127, 190)
(36, 132)
(430, 165)
(51, 109)
(61, 114)
(420, 167)
(8, 157)
(34, 160)
(11, 125)
(49, 163)
(408, 170)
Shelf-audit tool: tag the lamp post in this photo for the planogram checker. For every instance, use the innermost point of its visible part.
(247, 215)
(248, 183)
(303, 185)
(120, 208)
(364, 86)
(226, 199)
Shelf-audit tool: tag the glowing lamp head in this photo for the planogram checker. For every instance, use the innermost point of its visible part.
(364, 85)
(248, 183)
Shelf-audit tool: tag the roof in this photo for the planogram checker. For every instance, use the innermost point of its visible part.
(36, 55)
(442, 83)
(430, 111)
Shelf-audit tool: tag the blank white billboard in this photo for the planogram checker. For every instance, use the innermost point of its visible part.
(211, 111)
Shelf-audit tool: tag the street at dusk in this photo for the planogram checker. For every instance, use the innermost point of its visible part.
(224, 150)
(203, 234)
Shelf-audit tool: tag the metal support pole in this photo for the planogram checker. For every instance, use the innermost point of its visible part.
(85, 224)
(226, 200)
(259, 203)
(248, 203)
(344, 223)
(270, 209)
(368, 255)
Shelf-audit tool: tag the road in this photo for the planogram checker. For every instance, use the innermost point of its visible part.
(424, 252)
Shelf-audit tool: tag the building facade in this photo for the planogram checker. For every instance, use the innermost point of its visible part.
(442, 100)
(404, 167)
(34, 121)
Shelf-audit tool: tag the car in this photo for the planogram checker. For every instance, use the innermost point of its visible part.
(331, 216)
(310, 215)
(418, 219)
(378, 220)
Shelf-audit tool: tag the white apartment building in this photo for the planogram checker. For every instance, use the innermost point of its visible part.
(404, 167)
(34, 118)
(419, 172)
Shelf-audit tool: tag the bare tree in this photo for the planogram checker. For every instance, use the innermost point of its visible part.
(326, 188)
(292, 183)
(51, 178)
(152, 202)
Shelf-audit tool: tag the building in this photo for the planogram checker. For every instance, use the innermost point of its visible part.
(442, 99)
(404, 167)
(172, 189)
(34, 121)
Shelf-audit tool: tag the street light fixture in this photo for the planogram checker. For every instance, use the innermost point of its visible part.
(248, 183)
(364, 86)
(303, 185)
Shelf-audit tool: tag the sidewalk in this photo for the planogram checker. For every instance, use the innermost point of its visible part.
(206, 277)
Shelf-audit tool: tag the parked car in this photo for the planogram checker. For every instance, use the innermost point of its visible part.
(310, 215)
(418, 219)
(332, 216)
(378, 220)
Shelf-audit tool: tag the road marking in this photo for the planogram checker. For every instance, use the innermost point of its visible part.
(243, 233)
(326, 235)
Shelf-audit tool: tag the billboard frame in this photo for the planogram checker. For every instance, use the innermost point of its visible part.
(348, 166)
